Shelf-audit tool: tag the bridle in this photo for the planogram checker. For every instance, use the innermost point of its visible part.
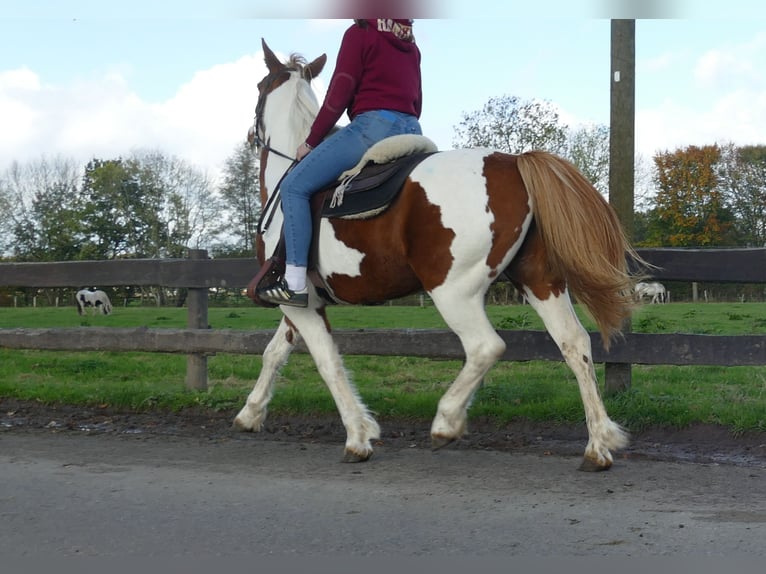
(268, 211)
(258, 140)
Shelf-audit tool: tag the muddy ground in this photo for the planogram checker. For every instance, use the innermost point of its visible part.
(698, 443)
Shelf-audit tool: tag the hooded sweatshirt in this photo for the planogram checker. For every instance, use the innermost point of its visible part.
(378, 68)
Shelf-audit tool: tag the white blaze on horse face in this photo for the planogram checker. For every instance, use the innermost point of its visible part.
(279, 106)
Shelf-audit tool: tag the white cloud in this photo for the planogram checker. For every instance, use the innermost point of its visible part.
(738, 65)
(657, 64)
(210, 114)
(726, 102)
(104, 118)
(738, 116)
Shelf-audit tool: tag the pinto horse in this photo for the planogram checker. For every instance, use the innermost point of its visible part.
(97, 300)
(462, 219)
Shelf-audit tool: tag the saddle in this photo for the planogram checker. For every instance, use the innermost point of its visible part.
(362, 192)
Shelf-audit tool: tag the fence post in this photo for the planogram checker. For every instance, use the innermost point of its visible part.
(196, 363)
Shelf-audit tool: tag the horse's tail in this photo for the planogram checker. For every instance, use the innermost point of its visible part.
(584, 240)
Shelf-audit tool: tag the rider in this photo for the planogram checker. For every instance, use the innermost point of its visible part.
(377, 82)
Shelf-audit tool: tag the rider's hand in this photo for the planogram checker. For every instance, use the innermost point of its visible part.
(303, 151)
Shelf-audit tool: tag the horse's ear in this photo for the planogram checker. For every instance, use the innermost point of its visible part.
(315, 68)
(272, 62)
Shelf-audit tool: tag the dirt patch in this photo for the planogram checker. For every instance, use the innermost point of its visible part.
(697, 443)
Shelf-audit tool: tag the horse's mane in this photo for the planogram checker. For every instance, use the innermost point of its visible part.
(305, 101)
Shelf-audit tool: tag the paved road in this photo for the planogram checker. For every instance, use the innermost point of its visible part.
(121, 495)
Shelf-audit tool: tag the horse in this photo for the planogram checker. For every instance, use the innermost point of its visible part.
(96, 300)
(654, 290)
(462, 219)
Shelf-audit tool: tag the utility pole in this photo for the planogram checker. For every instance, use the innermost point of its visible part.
(622, 121)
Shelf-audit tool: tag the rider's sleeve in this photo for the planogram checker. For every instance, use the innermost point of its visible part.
(343, 85)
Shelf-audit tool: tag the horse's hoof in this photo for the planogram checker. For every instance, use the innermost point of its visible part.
(350, 456)
(590, 465)
(438, 441)
(239, 426)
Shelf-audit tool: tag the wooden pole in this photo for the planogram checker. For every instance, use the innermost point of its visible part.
(617, 376)
(196, 363)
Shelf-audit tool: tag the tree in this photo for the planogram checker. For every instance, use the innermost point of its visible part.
(588, 148)
(690, 208)
(145, 206)
(41, 211)
(514, 126)
(240, 194)
(186, 208)
(743, 177)
(112, 209)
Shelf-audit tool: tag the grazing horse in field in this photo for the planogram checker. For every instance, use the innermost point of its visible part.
(654, 290)
(96, 300)
(461, 219)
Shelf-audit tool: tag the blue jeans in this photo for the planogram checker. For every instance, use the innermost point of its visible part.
(323, 165)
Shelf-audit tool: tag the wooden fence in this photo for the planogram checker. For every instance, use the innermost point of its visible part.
(198, 274)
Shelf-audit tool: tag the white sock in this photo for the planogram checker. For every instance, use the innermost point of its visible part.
(295, 277)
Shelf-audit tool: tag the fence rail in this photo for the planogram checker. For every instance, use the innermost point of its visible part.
(747, 265)
(200, 274)
(635, 348)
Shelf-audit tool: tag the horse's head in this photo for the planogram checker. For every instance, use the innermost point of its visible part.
(279, 74)
(284, 113)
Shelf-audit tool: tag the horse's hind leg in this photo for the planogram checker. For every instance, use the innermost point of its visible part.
(573, 340)
(253, 414)
(466, 316)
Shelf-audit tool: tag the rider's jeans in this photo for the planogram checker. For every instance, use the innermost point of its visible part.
(323, 165)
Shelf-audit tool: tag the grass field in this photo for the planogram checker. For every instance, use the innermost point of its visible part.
(734, 397)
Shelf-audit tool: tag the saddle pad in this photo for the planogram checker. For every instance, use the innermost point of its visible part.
(372, 190)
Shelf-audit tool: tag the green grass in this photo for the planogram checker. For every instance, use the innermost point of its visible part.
(407, 387)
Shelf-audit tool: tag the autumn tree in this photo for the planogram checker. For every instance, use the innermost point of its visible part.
(689, 205)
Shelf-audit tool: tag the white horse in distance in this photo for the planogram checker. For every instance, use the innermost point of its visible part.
(654, 290)
(97, 300)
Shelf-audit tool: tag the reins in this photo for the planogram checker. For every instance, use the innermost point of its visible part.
(259, 143)
(267, 213)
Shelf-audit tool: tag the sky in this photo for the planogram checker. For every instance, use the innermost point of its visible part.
(92, 79)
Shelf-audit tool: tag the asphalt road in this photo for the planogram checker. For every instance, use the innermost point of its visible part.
(67, 493)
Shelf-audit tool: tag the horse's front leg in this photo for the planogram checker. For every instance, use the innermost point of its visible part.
(253, 414)
(360, 425)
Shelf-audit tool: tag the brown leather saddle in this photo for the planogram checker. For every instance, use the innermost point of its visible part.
(361, 196)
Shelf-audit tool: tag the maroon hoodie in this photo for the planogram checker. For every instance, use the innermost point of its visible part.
(378, 68)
